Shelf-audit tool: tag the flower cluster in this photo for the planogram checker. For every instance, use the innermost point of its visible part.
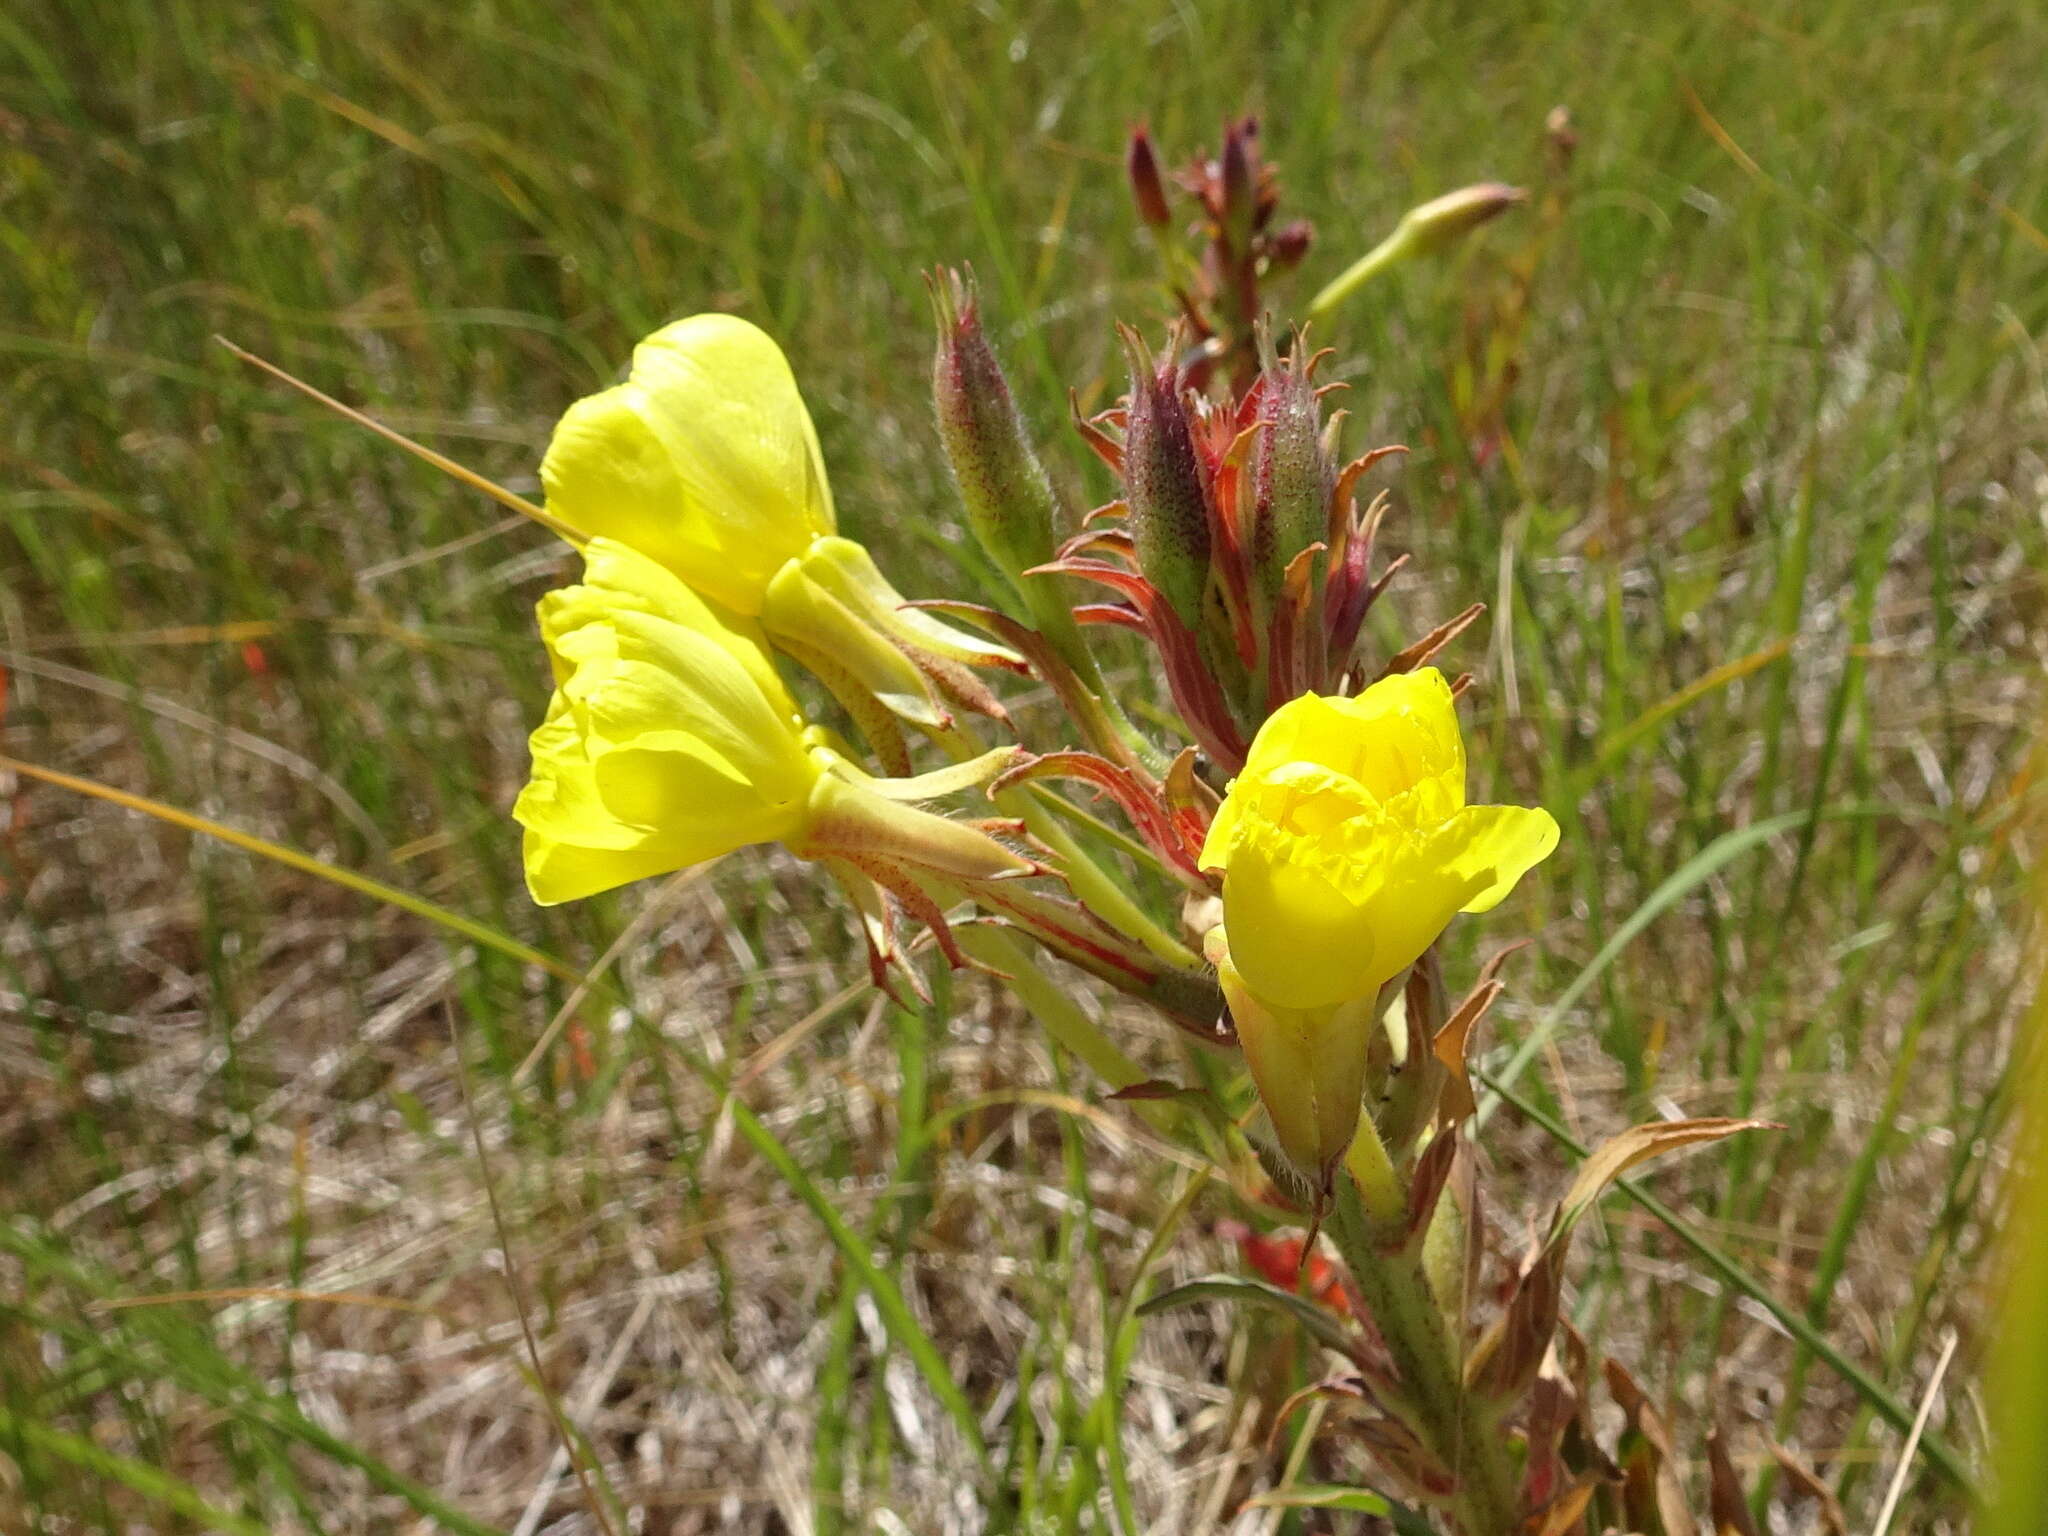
(1340, 842)
(1296, 836)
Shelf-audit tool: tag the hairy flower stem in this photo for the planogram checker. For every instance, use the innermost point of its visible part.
(1369, 1223)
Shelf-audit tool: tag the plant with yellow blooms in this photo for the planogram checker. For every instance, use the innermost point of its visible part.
(1295, 833)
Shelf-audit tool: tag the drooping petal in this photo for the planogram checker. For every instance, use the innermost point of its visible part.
(669, 740)
(618, 577)
(677, 806)
(559, 872)
(1502, 843)
(674, 689)
(704, 459)
(561, 800)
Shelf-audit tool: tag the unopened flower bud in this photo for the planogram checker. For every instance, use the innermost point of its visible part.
(1441, 220)
(1148, 188)
(1240, 177)
(1011, 507)
(1289, 244)
(1423, 229)
(1164, 486)
(1292, 478)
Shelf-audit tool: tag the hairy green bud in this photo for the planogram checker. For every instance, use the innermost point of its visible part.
(1292, 477)
(1011, 507)
(1164, 485)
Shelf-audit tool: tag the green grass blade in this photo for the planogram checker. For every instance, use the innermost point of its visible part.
(197, 1366)
(1694, 872)
(363, 885)
(896, 1315)
(174, 1494)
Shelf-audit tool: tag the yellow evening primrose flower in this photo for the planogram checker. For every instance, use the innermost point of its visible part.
(1346, 848)
(670, 740)
(704, 460)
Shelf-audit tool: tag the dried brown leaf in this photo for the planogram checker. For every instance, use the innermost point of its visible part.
(1808, 1485)
(1613, 1158)
(1727, 1504)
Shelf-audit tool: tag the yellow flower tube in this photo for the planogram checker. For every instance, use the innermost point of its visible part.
(1346, 848)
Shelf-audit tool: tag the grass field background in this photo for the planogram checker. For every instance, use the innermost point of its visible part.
(1759, 521)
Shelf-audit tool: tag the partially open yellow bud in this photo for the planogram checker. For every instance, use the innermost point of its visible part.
(704, 459)
(670, 740)
(1346, 848)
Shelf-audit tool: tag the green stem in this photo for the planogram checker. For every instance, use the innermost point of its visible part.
(1380, 1193)
(1388, 253)
(1093, 886)
(1368, 1222)
(1055, 620)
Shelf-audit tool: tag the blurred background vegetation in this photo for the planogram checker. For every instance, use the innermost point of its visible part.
(1738, 428)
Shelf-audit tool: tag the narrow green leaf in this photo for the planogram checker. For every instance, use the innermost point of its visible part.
(895, 1311)
(1319, 1321)
(1321, 1496)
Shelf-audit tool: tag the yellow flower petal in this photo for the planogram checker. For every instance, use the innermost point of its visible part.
(1295, 937)
(670, 689)
(1346, 846)
(1501, 843)
(704, 459)
(670, 739)
(618, 577)
(559, 872)
(561, 799)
